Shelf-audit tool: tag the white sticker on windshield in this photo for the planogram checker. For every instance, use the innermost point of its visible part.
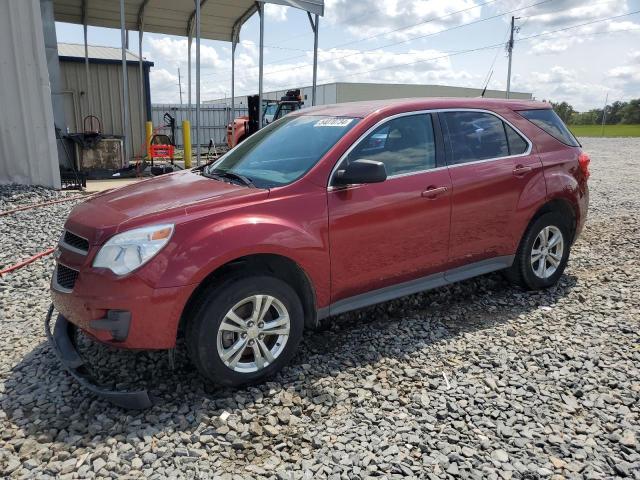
(333, 122)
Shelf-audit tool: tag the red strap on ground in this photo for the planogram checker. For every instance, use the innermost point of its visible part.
(28, 207)
(27, 261)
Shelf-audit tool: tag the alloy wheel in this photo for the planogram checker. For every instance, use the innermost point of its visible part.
(253, 333)
(547, 250)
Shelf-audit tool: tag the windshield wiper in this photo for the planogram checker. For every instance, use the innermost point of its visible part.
(231, 176)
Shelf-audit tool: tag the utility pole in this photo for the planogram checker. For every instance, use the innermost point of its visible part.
(510, 50)
(604, 114)
(180, 85)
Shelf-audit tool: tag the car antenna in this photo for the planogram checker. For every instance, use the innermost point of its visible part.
(484, 90)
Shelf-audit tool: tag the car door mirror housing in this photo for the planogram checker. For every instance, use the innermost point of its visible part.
(361, 171)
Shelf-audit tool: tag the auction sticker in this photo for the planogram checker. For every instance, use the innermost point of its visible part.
(333, 122)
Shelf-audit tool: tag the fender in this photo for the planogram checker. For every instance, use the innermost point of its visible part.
(559, 171)
(211, 240)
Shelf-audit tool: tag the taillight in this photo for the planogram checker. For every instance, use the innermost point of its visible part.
(583, 162)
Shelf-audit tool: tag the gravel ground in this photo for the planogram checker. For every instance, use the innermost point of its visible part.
(476, 380)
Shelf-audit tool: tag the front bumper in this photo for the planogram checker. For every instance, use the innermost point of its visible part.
(97, 303)
(62, 342)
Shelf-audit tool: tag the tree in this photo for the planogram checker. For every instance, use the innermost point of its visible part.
(630, 113)
(614, 113)
(564, 111)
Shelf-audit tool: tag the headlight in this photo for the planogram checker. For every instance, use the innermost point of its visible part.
(127, 251)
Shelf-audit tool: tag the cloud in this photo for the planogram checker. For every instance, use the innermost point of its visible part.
(560, 14)
(173, 51)
(276, 13)
(426, 67)
(564, 84)
(371, 17)
(164, 86)
(627, 77)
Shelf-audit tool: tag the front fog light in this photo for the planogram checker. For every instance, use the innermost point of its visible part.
(127, 251)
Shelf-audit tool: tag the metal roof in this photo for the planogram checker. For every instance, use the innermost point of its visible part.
(76, 50)
(220, 19)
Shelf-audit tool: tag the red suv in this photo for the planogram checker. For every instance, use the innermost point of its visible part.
(327, 210)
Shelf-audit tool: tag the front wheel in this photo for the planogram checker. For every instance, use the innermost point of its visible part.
(543, 253)
(245, 330)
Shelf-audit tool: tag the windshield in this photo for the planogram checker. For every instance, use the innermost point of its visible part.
(283, 151)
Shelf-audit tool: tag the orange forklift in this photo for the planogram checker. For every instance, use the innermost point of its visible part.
(272, 110)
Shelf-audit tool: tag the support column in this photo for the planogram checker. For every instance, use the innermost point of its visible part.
(143, 117)
(53, 67)
(233, 89)
(125, 85)
(189, 42)
(261, 65)
(314, 27)
(197, 82)
(87, 75)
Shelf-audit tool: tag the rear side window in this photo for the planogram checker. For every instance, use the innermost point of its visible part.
(474, 136)
(551, 123)
(404, 144)
(517, 144)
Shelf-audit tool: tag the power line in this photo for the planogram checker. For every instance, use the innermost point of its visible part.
(487, 47)
(360, 52)
(433, 19)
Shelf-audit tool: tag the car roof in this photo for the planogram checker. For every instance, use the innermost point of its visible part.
(365, 108)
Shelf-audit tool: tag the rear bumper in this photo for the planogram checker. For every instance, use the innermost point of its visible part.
(62, 342)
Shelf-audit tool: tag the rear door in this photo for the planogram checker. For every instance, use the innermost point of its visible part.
(386, 233)
(489, 163)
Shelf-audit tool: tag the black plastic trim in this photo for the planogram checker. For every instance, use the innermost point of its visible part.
(117, 323)
(418, 285)
(61, 340)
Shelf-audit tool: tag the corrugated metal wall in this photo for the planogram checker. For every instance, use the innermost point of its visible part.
(213, 121)
(325, 95)
(354, 92)
(28, 152)
(106, 95)
(339, 92)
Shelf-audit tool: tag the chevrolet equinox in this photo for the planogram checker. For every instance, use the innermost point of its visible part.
(327, 210)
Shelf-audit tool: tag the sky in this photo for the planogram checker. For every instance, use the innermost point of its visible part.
(565, 50)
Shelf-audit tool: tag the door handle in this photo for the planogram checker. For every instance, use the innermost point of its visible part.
(433, 192)
(521, 170)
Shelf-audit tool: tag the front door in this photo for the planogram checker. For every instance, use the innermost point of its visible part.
(386, 233)
(485, 157)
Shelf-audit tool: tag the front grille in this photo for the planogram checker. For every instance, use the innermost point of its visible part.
(75, 241)
(66, 277)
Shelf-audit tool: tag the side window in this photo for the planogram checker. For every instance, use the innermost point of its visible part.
(517, 144)
(405, 144)
(474, 136)
(550, 122)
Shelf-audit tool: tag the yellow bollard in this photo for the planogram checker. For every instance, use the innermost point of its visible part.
(186, 140)
(149, 129)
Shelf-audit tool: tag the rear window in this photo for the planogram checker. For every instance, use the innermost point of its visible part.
(551, 123)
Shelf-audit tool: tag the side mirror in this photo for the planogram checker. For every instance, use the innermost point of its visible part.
(361, 171)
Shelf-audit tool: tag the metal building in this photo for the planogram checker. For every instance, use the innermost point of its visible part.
(340, 92)
(33, 103)
(28, 152)
(102, 97)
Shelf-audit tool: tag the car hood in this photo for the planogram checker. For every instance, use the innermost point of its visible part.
(152, 201)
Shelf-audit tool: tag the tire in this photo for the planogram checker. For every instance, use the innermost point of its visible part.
(207, 343)
(531, 274)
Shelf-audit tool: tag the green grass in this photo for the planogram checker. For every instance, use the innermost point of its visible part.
(609, 130)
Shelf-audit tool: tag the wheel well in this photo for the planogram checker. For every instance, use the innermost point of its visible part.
(564, 208)
(278, 266)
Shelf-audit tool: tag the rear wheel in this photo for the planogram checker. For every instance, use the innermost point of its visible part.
(245, 330)
(543, 253)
